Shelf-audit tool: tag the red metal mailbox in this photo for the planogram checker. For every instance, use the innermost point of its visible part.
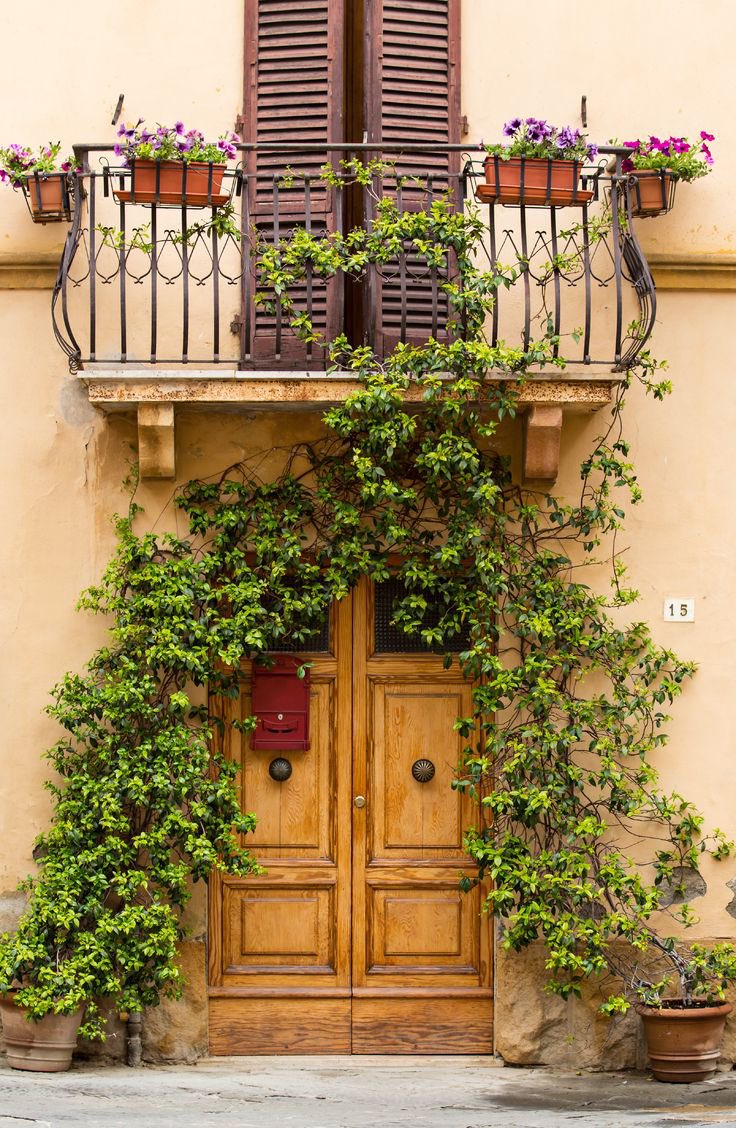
(281, 703)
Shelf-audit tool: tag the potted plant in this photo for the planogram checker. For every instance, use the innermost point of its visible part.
(143, 806)
(44, 185)
(656, 166)
(684, 1030)
(43, 1045)
(538, 164)
(49, 969)
(173, 165)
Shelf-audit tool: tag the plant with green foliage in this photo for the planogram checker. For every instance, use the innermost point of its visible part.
(539, 140)
(569, 706)
(172, 143)
(680, 158)
(18, 163)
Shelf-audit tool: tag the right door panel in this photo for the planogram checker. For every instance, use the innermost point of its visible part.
(421, 949)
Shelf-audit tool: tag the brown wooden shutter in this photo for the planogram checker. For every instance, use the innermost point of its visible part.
(293, 93)
(412, 85)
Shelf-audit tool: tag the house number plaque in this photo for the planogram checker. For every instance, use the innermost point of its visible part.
(678, 609)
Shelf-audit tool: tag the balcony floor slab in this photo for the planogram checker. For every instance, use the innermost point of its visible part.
(154, 393)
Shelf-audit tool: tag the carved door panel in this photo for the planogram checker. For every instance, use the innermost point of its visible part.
(421, 950)
(357, 939)
(279, 943)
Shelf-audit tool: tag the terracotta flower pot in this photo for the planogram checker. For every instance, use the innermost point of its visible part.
(160, 182)
(684, 1043)
(652, 192)
(47, 197)
(544, 181)
(45, 1046)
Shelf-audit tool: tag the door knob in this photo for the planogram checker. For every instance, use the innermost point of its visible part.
(279, 769)
(359, 801)
(422, 770)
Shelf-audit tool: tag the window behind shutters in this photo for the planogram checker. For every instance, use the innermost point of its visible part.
(413, 95)
(293, 94)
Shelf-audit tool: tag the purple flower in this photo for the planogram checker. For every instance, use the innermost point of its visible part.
(511, 127)
(627, 165)
(708, 154)
(567, 138)
(118, 150)
(535, 129)
(706, 136)
(179, 126)
(631, 144)
(591, 151)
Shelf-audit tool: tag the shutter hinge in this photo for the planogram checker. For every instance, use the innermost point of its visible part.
(236, 324)
(464, 125)
(239, 124)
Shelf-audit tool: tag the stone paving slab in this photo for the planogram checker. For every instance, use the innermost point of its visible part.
(355, 1092)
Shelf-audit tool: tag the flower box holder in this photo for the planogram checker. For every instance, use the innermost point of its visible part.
(197, 184)
(536, 182)
(48, 197)
(651, 191)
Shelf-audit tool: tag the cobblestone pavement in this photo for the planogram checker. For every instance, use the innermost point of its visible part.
(357, 1092)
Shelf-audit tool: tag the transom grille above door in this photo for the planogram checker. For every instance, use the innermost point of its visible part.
(389, 638)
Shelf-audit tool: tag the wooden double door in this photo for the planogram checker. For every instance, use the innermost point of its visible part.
(357, 938)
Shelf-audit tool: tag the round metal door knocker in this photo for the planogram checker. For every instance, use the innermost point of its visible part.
(279, 769)
(422, 770)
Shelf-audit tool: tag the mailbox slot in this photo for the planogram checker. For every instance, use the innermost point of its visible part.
(280, 702)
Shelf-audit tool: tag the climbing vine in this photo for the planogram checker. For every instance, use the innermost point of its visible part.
(569, 707)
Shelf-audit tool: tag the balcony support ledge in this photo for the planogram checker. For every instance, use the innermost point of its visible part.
(156, 440)
(154, 394)
(541, 447)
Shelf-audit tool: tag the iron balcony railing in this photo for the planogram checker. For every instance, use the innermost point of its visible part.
(147, 281)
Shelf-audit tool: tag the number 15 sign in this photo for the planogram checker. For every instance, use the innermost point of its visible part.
(679, 610)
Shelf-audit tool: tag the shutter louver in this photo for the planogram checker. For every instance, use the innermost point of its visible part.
(293, 94)
(412, 96)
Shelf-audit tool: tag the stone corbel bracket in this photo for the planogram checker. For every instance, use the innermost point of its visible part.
(156, 440)
(541, 442)
(155, 394)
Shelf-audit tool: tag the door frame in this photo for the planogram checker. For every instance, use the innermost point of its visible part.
(332, 1000)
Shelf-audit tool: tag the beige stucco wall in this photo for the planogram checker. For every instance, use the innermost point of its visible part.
(63, 462)
(662, 68)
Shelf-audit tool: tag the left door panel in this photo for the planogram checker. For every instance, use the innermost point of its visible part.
(279, 959)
